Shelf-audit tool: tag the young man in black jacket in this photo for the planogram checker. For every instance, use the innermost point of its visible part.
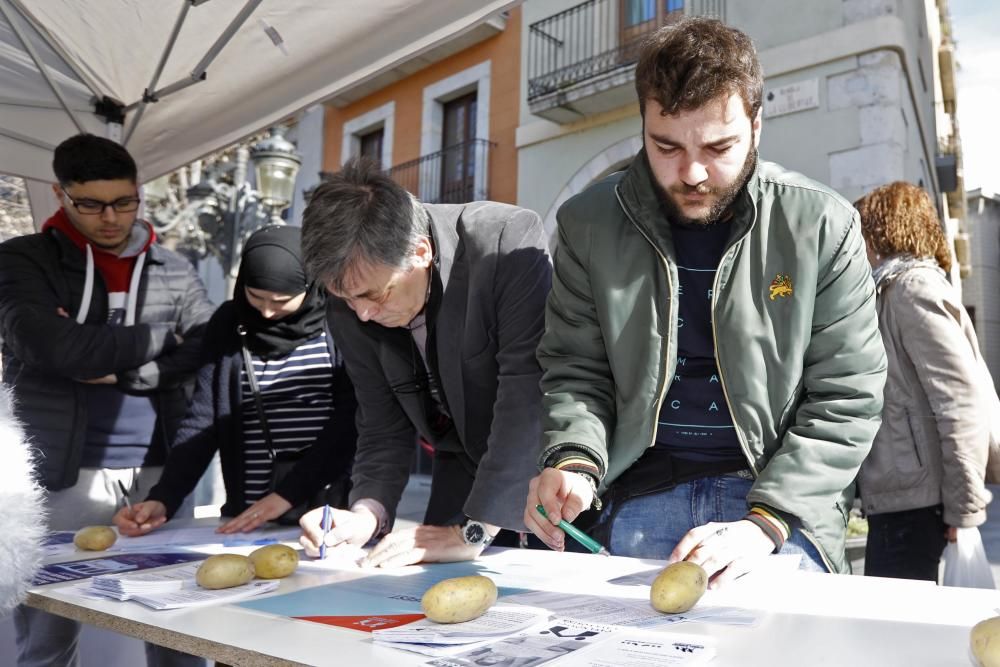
(101, 332)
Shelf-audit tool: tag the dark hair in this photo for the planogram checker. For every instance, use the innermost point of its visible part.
(359, 215)
(901, 218)
(88, 157)
(686, 64)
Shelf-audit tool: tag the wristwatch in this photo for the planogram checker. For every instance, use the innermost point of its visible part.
(475, 534)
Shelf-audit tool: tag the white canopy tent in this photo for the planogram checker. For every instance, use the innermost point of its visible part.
(175, 80)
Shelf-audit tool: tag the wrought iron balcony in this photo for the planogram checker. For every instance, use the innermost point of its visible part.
(455, 175)
(582, 59)
(588, 40)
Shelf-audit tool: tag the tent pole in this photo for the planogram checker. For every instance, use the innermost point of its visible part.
(168, 49)
(24, 139)
(198, 73)
(56, 49)
(42, 68)
(32, 104)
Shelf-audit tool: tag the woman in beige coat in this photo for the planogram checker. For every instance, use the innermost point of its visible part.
(924, 476)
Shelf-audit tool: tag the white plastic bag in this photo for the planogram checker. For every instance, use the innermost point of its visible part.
(965, 561)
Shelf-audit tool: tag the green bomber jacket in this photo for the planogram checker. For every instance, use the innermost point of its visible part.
(796, 336)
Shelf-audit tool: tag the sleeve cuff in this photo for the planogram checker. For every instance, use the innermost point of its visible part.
(773, 525)
(378, 509)
(573, 461)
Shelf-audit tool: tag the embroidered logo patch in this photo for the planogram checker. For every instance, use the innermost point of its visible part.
(781, 286)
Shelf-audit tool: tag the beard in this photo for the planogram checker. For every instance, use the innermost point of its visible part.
(724, 196)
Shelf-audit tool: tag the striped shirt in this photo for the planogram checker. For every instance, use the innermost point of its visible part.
(297, 392)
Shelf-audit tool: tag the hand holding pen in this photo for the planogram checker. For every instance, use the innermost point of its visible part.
(139, 519)
(325, 528)
(564, 495)
(586, 540)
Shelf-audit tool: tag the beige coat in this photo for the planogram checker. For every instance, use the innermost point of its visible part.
(933, 445)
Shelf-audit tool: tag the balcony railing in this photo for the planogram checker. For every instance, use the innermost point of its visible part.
(455, 175)
(591, 39)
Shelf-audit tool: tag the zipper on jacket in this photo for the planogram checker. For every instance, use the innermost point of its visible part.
(725, 392)
(670, 285)
(740, 436)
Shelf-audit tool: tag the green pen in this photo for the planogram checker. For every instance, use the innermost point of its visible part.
(577, 534)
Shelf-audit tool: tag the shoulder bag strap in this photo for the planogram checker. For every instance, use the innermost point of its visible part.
(255, 390)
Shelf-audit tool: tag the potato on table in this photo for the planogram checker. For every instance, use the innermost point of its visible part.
(459, 599)
(224, 571)
(678, 587)
(95, 538)
(275, 561)
(985, 641)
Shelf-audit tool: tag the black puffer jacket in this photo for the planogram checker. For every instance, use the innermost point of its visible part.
(44, 353)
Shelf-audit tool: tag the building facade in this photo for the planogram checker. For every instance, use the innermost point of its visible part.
(442, 124)
(854, 92)
(981, 289)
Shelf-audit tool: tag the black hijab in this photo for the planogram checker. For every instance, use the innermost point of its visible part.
(272, 261)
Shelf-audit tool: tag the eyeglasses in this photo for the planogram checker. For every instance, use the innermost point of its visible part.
(96, 207)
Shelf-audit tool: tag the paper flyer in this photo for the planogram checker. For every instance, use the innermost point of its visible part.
(81, 569)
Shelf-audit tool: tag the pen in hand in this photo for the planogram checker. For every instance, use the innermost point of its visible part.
(586, 540)
(327, 516)
(128, 503)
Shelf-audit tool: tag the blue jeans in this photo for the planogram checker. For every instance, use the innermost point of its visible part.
(650, 526)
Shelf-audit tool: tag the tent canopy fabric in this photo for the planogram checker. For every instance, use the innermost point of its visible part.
(263, 61)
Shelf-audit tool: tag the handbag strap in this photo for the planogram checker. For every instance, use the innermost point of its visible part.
(255, 390)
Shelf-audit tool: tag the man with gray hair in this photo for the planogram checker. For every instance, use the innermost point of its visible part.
(438, 311)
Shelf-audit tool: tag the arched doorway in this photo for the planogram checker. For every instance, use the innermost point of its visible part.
(611, 159)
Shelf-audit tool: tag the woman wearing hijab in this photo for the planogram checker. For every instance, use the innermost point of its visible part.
(924, 476)
(272, 397)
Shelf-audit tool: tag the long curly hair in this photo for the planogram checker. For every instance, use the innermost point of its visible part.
(900, 218)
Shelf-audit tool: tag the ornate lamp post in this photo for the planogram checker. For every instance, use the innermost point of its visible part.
(217, 214)
(275, 164)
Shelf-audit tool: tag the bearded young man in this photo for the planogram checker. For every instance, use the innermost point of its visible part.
(712, 366)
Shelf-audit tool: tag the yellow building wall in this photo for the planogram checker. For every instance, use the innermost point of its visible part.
(504, 53)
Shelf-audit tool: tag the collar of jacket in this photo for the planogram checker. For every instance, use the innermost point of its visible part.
(639, 197)
(443, 220)
(71, 255)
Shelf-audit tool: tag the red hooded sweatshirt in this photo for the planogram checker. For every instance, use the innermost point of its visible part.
(118, 271)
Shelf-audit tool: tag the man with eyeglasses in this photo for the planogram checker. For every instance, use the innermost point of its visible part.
(438, 311)
(101, 331)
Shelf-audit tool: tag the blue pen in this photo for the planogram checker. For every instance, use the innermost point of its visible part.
(327, 516)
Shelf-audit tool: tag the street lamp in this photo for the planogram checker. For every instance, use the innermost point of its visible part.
(275, 164)
(216, 214)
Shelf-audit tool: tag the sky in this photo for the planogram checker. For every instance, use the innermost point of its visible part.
(975, 28)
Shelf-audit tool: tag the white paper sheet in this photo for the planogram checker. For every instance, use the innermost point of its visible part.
(628, 612)
(540, 645)
(644, 650)
(435, 639)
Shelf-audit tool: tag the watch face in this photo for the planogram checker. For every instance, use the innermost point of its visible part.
(474, 533)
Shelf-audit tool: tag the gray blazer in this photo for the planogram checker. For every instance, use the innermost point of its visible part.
(485, 316)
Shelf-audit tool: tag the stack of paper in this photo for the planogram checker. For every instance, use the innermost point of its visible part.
(137, 585)
(169, 589)
(429, 638)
